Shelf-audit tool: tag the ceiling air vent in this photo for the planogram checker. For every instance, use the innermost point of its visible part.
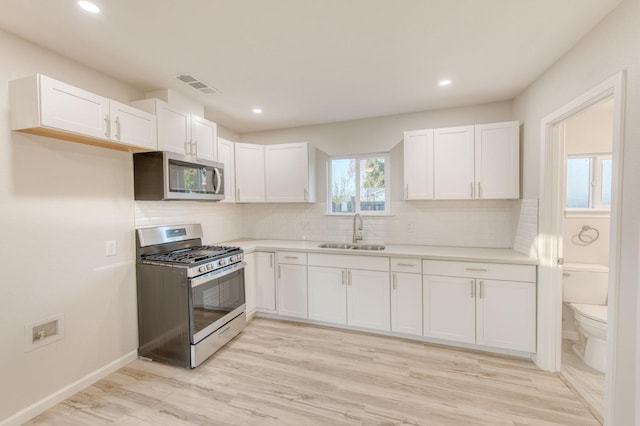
(197, 84)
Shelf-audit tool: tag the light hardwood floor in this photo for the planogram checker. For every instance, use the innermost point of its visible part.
(281, 373)
(589, 383)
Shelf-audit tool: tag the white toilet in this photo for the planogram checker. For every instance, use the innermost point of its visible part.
(584, 289)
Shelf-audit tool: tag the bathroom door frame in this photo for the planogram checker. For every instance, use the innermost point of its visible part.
(549, 352)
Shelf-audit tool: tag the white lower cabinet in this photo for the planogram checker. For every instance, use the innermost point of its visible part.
(327, 294)
(368, 299)
(487, 304)
(342, 291)
(449, 308)
(292, 284)
(506, 314)
(250, 283)
(265, 282)
(406, 303)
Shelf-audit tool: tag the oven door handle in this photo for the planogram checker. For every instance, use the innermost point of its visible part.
(214, 275)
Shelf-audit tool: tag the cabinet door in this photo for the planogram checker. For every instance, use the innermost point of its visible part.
(250, 283)
(418, 165)
(287, 172)
(204, 135)
(173, 129)
(265, 284)
(368, 299)
(249, 173)
(327, 294)
(132, 126)
(226, 155)
(406, 303)
(506, 314)
(74, 110)
(449, 308)
(292, 290)
(497, 160)
(453, 170)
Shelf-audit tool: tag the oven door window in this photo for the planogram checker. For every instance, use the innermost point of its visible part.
(192, 178)
(213, 300)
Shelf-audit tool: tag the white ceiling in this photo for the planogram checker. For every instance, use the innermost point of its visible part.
(315, 61)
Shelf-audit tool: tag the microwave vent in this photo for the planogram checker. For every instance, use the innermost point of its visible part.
(197, 84)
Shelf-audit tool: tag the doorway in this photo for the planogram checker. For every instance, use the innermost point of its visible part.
(553, 205)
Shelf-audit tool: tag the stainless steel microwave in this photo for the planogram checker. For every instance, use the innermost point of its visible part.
(162, 175)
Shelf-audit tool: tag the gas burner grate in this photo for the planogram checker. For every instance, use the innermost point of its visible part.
(190, 255)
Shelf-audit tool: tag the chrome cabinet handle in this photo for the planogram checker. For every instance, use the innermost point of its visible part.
(238, 194)
(107, 126)
(291, 257)
(473, 288)
(306, 195)
(343, 271)
(406, 191)
(118, 128)
(348, 277)
(476, 269)
(479, 190)
(195, 145)
(406, 264)
(472, 188)
(279, 271)
(271, 260)
(395, 281)
(481, 289)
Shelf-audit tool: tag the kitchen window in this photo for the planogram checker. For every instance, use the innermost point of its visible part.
(588, 183)
(359, 184)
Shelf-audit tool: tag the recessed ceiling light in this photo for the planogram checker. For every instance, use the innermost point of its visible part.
(88, 6)
(445, 82)
(257, 110)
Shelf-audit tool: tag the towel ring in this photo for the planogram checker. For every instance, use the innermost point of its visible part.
(589, 239)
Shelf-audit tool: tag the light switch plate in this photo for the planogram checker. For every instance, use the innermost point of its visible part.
(110, 248)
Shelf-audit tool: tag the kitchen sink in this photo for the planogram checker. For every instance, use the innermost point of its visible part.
(346, 246)
(367, 247)
(336, 245)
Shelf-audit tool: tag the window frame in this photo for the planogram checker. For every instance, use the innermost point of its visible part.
(387, 184)
(595, 186)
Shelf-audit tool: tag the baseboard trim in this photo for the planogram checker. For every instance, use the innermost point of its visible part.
(44, 404)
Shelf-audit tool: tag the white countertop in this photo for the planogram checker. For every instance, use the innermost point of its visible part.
(468, 254)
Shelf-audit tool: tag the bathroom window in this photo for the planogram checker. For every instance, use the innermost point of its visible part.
(588, 182)
(358, 184)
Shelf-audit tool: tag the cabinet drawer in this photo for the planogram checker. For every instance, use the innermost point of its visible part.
(498, 271)
(292, 257)
(372, 263)
(406, 264)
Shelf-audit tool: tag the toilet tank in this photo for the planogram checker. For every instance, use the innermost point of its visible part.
(585, 283)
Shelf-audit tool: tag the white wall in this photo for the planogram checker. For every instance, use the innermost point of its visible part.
(608, 49)
(59, 202)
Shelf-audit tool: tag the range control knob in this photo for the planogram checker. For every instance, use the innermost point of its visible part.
(202, 269)
(222, 262)
(209, 267)
(233, 259)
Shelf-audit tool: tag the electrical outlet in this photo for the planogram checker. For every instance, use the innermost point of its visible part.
(110, 248)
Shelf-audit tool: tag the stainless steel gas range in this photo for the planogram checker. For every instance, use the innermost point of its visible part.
(191, 298)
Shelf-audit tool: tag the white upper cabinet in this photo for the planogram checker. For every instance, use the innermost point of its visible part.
(181, 132)
(453, 163)
(418, 165)
(463, 163)
(44, 106)
(225, 154)
(204, 135)
(497, 160)
(249, 173)
(132, 126)
(290, 172)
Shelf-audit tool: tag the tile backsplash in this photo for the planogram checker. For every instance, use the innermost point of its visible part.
(479, 223)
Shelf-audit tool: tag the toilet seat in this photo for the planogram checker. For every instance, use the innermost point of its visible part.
(593, 312)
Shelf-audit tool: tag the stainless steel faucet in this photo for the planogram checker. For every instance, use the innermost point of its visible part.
(357, 236)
